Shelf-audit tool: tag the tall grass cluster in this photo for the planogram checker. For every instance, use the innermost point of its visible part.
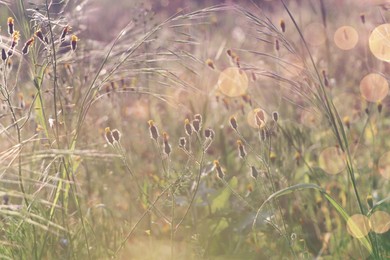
(235, 131)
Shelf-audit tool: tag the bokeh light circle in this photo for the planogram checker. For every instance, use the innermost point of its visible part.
(379, 42)
(332, 160)
(346, 37)
(384, 165)
(374, 87)
(380, 222)
(233, 82)
(358, 226)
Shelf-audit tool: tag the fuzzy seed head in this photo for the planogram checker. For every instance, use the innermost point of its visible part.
(196, 125)
(108, 136)
(210, 63)
(370, 201)
(116, 135)
(241, 149)
(263, 134)
(282, 25)
(73, 42)
(3, 55)
(260, 117)
(153, 130)
(254, 172)
(209, 133)
(182, 142)
(275, 116)
(10, 22)
(218, 169)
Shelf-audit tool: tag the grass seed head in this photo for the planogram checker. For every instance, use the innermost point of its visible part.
(182, 142)
(166, 146)
(275, 116)
(40, 36)
(263, 134)
(3, 55)
(196, 125)
(64, 32)
(209, 133)
(210, 63)
(27, 46)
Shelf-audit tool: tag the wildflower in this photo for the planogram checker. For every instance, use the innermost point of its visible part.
(153, 130)
(116, 135)
(10, 25)
(14, 42)
(64, 33)
(187, 127)
(241, 149)
(283, 25)
(166, 146)
(209, 133)
(210, 63)
(27, 45)
(73, 42)
(254, 173)
(220, 173)
(275, 116)
(233, 123)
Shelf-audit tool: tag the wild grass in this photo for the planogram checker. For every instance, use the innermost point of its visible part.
(133, 149)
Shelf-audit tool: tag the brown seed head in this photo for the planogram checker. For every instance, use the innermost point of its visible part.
(283, 25)
(233, 123)
(116, 135)
(153, 130)
(210, 63)
(187, 127)
(10, 22)
(108, 136)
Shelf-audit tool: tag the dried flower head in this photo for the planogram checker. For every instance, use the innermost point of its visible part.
(27, 45)
(116, 135)
(209, 133)
(182, 142)
(259, 117)
(220, 173)
(196, 125)
(187, 127)
(73, 42)
(263, 134)
(64, 32)
(370, 201)
(275, 116)
(233, 123)
(166, 146)
(40, 36)
(210, 63)
(3, 55)
(241, 149)
(283, 25)
(10, 22)
(108, 136)
(254, 172)
(153, 130)
(379, 106)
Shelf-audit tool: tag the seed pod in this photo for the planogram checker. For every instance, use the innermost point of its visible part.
(10, 25)
(116, 135)
(153, 130)
(263, 134)
(241, 149)
(220, 173)
(254, 172)
(233, 123)
(187, 127)
(108, 136)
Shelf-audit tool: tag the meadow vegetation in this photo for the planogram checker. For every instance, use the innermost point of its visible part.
(194, 129)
